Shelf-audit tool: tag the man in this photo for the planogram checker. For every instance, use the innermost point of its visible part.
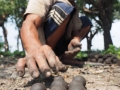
(51, 32)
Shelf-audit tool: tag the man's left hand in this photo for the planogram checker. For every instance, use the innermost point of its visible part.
(73, 47)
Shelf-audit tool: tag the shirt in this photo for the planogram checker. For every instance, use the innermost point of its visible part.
(42, 7)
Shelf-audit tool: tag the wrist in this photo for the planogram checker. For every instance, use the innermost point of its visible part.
(30, 47)
(77, 38)
(76, 35)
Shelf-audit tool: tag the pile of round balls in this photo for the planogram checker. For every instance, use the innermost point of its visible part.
(77, 83)
(106, 59)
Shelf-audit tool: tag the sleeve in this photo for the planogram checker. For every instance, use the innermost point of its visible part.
(76, 20)
(39, 7)
(74, 24)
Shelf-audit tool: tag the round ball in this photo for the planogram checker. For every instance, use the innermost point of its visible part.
(38, 86)
(75, 83)
(100, 60)
(93, 60)
(77, 87)
(108, 61)
(118, 62)
(58, 88)
(58, 78)
(114, 61)
(80, 78)
(59, 83)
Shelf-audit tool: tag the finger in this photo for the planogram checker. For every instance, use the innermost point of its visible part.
(20, 67)
(75, 47)
(72, 47)
(51, 58)
(43, 65)
(72, 53)
(78, 45)
(76, 50)
(31, 65)
(68, 52)
(61, 66)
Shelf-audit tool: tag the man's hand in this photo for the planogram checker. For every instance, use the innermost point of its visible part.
(39, 57)
(73, 47)
(43, 59)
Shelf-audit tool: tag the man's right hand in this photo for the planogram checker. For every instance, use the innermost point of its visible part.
(39, 57)
(43, 59)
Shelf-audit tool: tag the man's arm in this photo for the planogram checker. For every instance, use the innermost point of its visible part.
(29, 33)
(38, 55)
(75, 45)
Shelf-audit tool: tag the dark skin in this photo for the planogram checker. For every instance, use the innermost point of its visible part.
(42, 57)
(67, 58)
(37, 54)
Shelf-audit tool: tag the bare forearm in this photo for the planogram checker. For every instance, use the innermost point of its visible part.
(82, 33)
(29, 35)
(76, 35)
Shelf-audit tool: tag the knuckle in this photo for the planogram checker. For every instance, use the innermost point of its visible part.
(46, 47)
(40, 56)
(52, 64)
(28, 58)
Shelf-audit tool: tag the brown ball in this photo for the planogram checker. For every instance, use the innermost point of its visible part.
(106, 56)
(118, 62)
(58, 78)
(77, 87)
(93, 60)
(114, 61)
(108, 61)
(96, 56)
(80, 79)
(58, 88)
(75, 83)
(59, 83)
(100, 60)
(38, 86)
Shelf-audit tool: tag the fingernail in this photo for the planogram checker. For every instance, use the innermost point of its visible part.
(35, 74)
(48, 74)
(64, 68)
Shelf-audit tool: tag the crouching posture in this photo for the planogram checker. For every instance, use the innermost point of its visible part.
(51, 32)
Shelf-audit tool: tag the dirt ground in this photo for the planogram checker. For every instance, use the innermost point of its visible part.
(98, 77)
